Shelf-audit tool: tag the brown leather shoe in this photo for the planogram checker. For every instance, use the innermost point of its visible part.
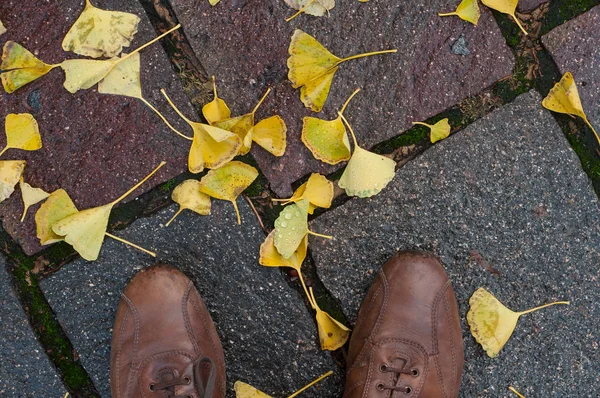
(407, 341)
(164, 341)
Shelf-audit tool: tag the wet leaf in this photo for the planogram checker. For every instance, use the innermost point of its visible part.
(85, 230)
(101, 33)
(332, 334)
(367, 173)
(439, 131)
(291, 227)
(491, 322)
(217, 109)
(20, 67)
(22, 132)
(31, 196)
(506, 7)
(188, 196)
(57, 207)
(564, 98)
(467, 10)
(318, 190)
(10, 174)
(316, 8)
(243, 390)
(228, 182)
(327, 139)
(2, 29)
(270, 257)
(312, 67)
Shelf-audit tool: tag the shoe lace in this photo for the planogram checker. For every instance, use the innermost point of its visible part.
(204, 381)
(384, 368)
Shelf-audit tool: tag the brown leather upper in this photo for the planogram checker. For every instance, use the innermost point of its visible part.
(407, 335)
(164, 335)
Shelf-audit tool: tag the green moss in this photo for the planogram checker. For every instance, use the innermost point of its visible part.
(564, 10)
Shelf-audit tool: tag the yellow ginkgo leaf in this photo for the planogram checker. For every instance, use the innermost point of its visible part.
(58, 206)
(332, 334)
(491, 322)
(506, 7)
(439, 131)
(228, 182)
(10, 174)
(188, 196)
(327, 139)
(291, 227)
(212, 147)
(564, 98)
(467, 10)
(31, 196)
(318, 190)
(367, 173)
(316, 8)
(214, 2)
(270, 257)
(270, 133)
(2, 29)
(217, 109)
(19, 67)
(243, 390)
(22, 132)
(312, 67)
(100, 33)
(85, 230)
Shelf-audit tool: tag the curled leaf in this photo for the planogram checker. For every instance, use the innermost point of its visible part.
(506, 7)
(316, 8)
(10, 174)
(467, 10)
(332, 334)
(318, 190)
(491, 322)
(270, 257)
(270, 133)
(20, 67)
(188, 196)
(228, 182)
(439, 131)
(31, 196)
(217, 109)
(101, 33)
(58, 206)
(22, 132)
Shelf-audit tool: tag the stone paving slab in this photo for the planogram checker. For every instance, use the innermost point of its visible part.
(25, 370)
(528, 5)
(245, 44)
(269, 337)
(95, 146)
(506, 206)
(574, 47)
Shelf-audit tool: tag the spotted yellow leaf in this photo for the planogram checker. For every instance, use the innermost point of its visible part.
(439, 131)
(332, 334)
(467, 10)
(10, 174)
(188, 196)
(506, 7)
(316, 8)
(217, 109)
(491, 322)
(31, 196)
(22, 132)
(20, 67)
(58, 206)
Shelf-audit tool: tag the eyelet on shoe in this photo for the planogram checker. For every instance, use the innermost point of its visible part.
(415, 372)
(187, 380)
(379, 387)
(383, 368)
(151, 387)
(407, 390)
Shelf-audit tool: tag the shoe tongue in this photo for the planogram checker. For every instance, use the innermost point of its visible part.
(166, 366)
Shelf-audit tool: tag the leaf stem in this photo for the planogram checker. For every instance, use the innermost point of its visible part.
(320, 235)
(164, 119)
(519, 24)
(24, 213)
(136, 186)
(300, 11)
(162, 90)
(367, 55)
(305, 289)
(351, 131)
(176, 214)
(422, 124)
(349, 99)
(137, 50)
(311, 384)
(215, 86)
(516, 392)
(237, 211)
(586, 121)
(130, 244)
(446, 14)
(4, 150)
(544, 306)
(261, 101)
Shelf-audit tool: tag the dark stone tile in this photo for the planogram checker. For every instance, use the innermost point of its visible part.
(528, 5)
(506, 206)
(245, 44)
(26, 370)
(269, 337)
(95, 146)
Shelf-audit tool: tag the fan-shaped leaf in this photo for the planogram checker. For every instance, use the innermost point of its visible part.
(20, 67)
(22, 132)
(439, 131)
(506, 7)
(188, 196)
(31, 196)
(57, 207)
(10, 174)
(467, 10)
(217, 109)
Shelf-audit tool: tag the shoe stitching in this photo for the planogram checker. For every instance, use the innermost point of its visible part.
(160, 355)
(186, 318)
(434, 314)
(369, 376)
(439, 375)
(452, 345)
(118, 360)
(367, 340)
(136, 322)
(419, 347)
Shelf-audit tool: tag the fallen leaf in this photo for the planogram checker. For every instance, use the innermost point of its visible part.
(101, 33)
(212, 147)
(31, 196)
(85, 230)
(270, 257)
(332, 334)
(564, 98)
(217, 109)
(243, 390)
(291, 227)
(467, 10)
(57, 207)
(228, 182)
(327, 139)
(316, 8)
(312, 67)
(20, 67)
(2, 29)
(188, 196)
(506, 7)
(491, 322)
(22, 132)
(10, 174)
(318, 190)
(214, 2)
(367, 173)
(439, 131)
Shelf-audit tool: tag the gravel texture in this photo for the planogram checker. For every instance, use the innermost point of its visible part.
(245, 44)
(506, 206)
(269, 337)
(25, 370)
(95, 146)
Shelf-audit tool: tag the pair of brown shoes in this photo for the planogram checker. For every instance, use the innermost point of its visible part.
(407, 341)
